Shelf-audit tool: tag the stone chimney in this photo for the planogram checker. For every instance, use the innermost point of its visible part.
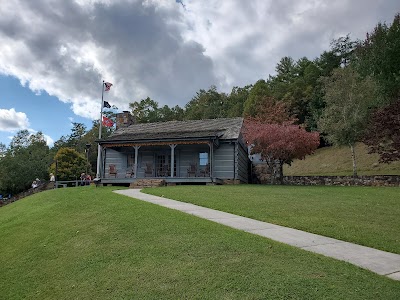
(124, 119)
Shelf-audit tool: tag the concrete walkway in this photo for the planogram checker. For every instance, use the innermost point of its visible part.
(381, 262)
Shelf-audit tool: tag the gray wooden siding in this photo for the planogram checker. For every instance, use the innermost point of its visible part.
(118, 159)
(224, 161)
(229, 160)
(188, 155)
(143, 158)
(242, 163)
(184, 155)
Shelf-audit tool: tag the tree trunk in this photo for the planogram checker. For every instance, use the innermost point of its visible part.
(279, 172)
(271, 170)
(353, 156)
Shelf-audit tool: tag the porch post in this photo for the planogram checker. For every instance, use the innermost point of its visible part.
(172, 158)
(136, 160)
(211, 144)
(102, 164)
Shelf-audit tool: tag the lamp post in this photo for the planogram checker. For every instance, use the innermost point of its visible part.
(87, 156)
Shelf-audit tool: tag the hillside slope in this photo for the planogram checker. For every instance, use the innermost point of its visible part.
(91, 243)
(337, 161)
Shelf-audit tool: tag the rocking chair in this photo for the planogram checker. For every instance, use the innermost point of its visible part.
(164, 171)
(130, 172)
(148, 171)
(112, 170)
(206, 171)
(192, 170)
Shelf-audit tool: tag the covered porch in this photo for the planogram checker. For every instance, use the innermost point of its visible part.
(177, 162)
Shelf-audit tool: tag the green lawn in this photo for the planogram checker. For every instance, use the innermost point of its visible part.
(90, 243)
(367, 216)
(337, 161)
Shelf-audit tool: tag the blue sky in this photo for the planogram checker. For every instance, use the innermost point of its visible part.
(163, 49)
(43, 112)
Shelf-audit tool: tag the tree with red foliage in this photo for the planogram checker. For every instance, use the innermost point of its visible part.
(383, 133)
(273, 135)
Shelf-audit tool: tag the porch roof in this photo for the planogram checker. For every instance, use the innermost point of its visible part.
(224, 129)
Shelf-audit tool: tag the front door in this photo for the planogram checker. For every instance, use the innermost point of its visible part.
(163, 165)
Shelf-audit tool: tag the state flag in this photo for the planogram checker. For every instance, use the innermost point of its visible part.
(107, 122)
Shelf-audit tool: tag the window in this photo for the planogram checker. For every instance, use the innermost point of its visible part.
(203, 156)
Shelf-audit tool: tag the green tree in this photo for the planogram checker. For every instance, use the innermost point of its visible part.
(70, 164)
(20, 140)
(343, 49)
(145, 111)
(296, 84)
(60, 143)
(383, 134)
(171, 114)
(378, 56)
(285, 69)
(327, 62)
(3, 150)
(348, 99)
(208, 104)
(90, 139)
(27, 158)
(235, 101)
(80, 138)
(75, 139)
(258, 92)
(273, 135)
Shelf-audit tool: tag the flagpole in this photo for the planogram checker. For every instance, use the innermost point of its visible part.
(100, 128)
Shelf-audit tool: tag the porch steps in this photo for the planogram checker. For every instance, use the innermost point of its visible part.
(142, 183)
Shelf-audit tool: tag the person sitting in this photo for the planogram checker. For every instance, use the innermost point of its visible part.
(34, 184)
(88, 179)
(83, 179)
(52, 182)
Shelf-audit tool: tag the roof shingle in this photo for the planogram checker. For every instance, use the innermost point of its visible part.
(224, 128)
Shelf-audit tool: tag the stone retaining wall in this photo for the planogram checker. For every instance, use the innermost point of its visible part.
(261, 175)
(142, 183)
(381, 180)
(231, 181)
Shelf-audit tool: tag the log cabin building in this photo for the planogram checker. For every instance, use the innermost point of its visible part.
(208, 151)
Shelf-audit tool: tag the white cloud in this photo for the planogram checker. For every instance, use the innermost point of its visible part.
(49, 140)
(68, 48)
(164, 49)
(246, 39)
(11, 120)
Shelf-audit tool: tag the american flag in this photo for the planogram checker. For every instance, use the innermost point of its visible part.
(108, 86)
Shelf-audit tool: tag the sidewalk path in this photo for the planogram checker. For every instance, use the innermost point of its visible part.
(381, 262)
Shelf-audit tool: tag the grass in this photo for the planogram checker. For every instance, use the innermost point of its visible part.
(364, 215)
(88, 243)
(337, 161)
